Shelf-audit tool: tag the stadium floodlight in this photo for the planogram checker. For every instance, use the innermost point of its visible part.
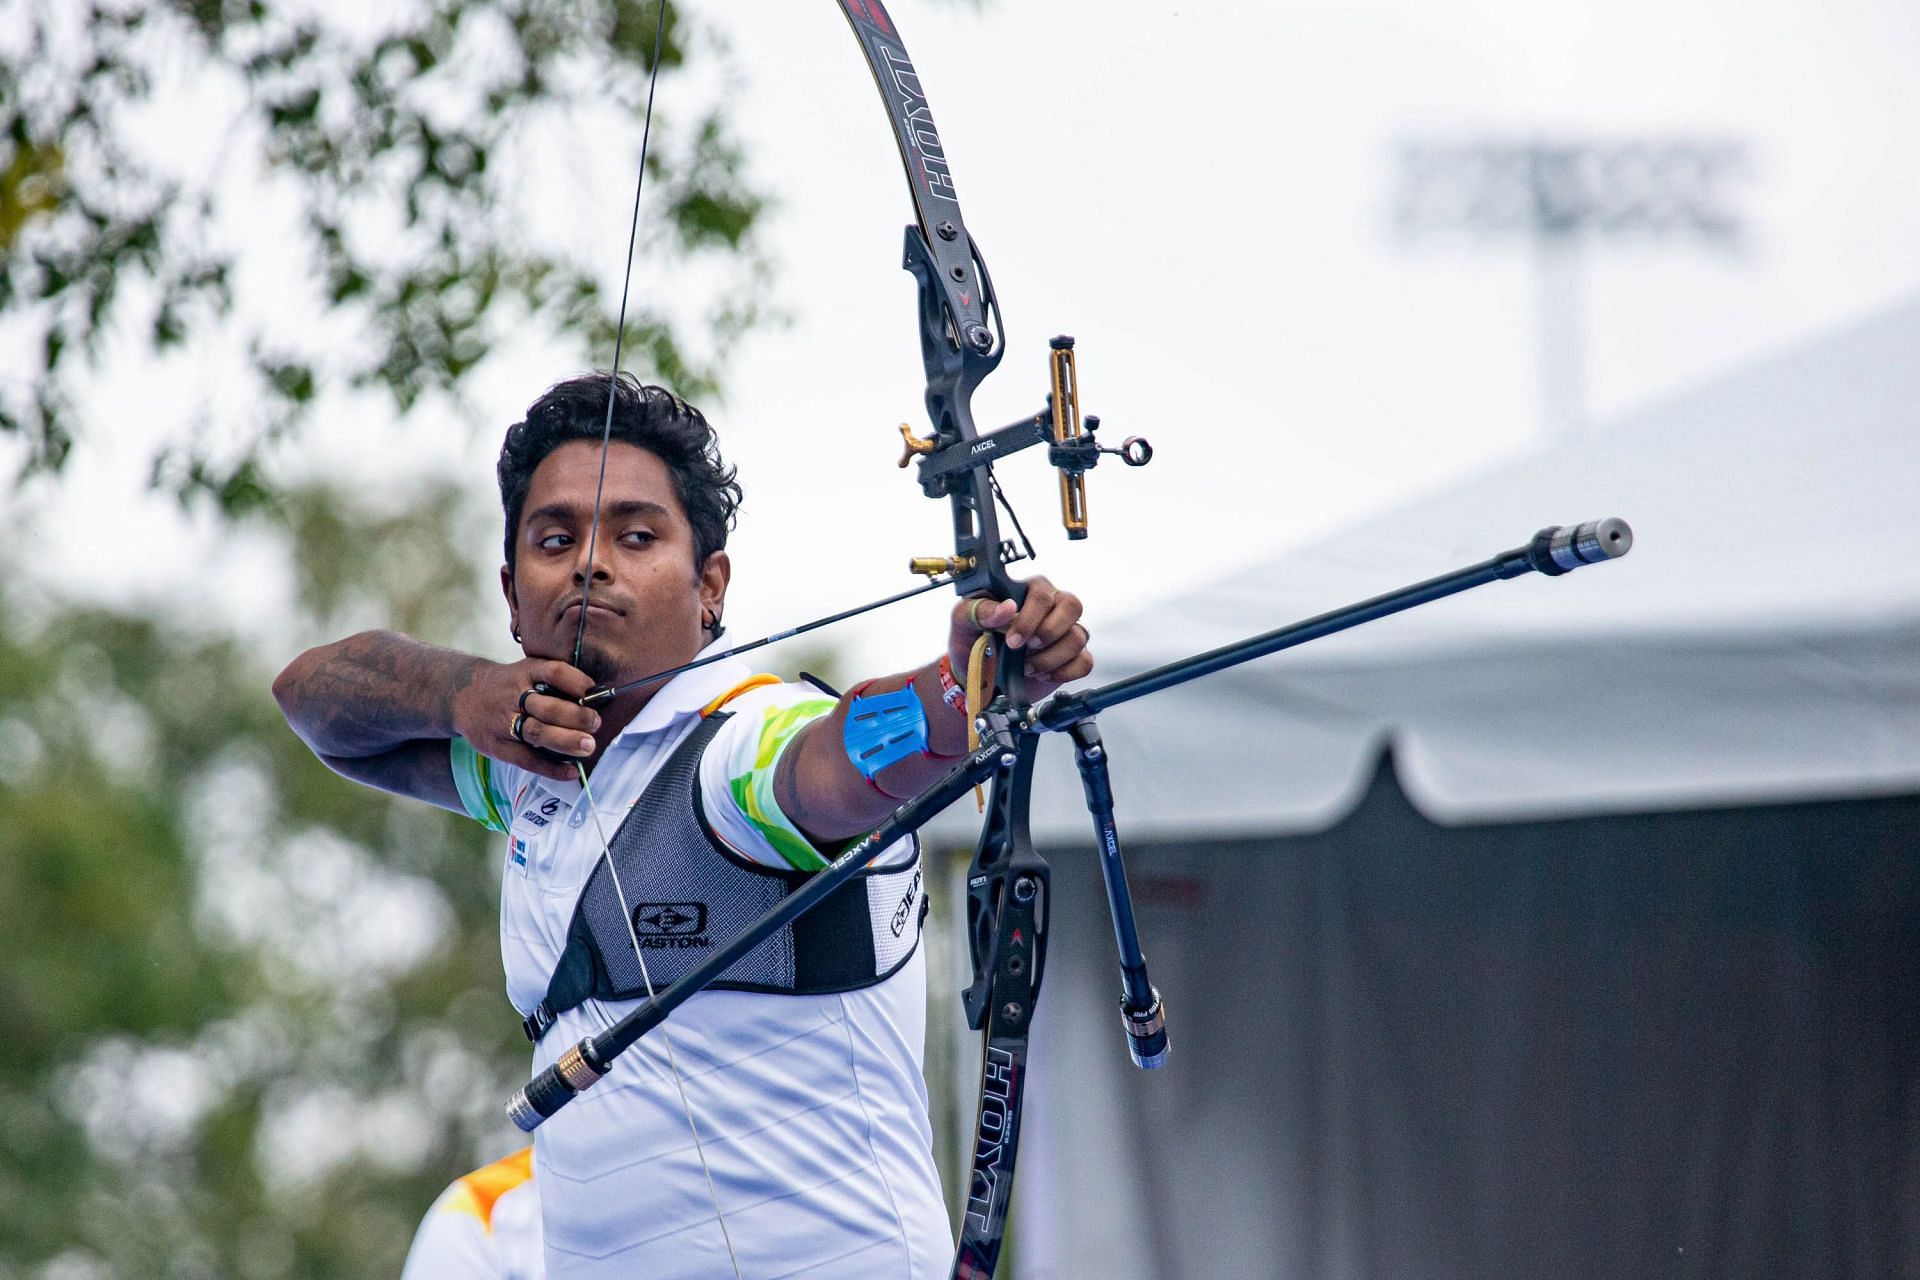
(1559, 196)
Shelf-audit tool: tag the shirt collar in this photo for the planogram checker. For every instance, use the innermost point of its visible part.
(688, 692)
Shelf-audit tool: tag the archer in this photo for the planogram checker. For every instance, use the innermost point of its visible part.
(789, 1101)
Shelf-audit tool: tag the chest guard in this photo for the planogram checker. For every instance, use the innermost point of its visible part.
(688, 892)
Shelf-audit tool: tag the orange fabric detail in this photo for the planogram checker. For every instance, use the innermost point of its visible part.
(476, 1192)
(752, 682)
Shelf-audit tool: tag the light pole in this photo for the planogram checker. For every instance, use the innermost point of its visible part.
(1559, 196)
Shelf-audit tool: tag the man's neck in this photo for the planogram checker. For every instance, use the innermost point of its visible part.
(623, 710)
(616, 716)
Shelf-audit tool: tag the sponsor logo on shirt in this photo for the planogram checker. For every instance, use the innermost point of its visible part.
(671, 925)
(539, 815)
(518, 853)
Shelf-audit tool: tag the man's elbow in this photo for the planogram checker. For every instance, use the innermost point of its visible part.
(287, 685)
(298, 690)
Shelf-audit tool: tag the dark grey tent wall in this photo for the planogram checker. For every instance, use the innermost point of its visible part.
(1678, 1044)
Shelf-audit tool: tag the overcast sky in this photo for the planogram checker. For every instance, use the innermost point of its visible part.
(1202, 194)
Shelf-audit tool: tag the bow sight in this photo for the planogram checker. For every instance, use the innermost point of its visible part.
(1071, 449)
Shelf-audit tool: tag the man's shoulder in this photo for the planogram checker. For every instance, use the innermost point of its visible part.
(488, 788)
(484, 1226)
(763, 714)
(739, 765)
(764, 690)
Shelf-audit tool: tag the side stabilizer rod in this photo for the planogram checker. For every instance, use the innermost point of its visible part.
(1553, 551)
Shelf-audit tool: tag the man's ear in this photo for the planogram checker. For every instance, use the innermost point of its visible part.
(513, 605)
(714, 576)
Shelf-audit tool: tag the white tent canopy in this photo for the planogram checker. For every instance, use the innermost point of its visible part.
(1389, 1034)
(1762, 641)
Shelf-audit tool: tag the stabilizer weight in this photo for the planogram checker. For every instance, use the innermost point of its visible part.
(1557, 549)
(1146, 1033)
(554, 1088)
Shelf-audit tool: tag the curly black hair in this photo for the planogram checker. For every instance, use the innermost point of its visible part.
(651, 417)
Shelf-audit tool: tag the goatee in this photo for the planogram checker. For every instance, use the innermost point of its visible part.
(598, 663)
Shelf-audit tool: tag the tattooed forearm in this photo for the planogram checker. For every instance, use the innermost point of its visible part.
(373, 692)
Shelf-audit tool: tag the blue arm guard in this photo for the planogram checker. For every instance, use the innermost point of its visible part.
(884, 728)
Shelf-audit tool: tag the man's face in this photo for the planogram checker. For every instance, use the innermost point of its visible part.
(648, 597)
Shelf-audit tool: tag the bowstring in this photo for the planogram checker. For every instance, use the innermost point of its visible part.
(620, 331)
(646, 979)
(580, 636)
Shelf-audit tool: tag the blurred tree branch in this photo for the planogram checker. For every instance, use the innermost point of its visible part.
(253, 1012)
(145, 146)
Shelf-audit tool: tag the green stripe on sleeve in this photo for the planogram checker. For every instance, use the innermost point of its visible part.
(767, 819)
(752, 791)
(473, 776)
(780, 724)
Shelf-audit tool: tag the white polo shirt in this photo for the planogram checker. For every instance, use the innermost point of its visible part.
(484, 1226)
(812, 1109)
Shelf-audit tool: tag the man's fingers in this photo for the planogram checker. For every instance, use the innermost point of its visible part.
(1077, 667)
(563, 678)
(535, 739)
(503, 716)
(978, 613)
(556, 720)
(560, 713)
(1044, 627)
(1067, 658)
(551, 737)
(1032, 614)
(526, 740)
(1060, 625)
(1045, 619)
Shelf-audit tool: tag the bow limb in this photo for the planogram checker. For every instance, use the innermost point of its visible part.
(1008, 894)
(961, 335)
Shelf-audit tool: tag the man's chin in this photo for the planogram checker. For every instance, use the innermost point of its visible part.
(599, 664)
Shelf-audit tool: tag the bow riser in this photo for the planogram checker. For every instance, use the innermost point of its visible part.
(1008, 900)
(953, 373)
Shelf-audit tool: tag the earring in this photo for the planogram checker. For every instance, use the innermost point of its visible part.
(516, 635)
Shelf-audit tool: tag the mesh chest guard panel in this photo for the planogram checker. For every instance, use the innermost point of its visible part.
(687, 892)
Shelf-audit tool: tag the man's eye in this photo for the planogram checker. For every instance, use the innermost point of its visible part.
(554, 542)
(640, 536)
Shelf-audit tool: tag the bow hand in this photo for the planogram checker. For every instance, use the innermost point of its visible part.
(1044, 631)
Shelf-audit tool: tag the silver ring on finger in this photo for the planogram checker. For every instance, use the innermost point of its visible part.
(519, 723)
